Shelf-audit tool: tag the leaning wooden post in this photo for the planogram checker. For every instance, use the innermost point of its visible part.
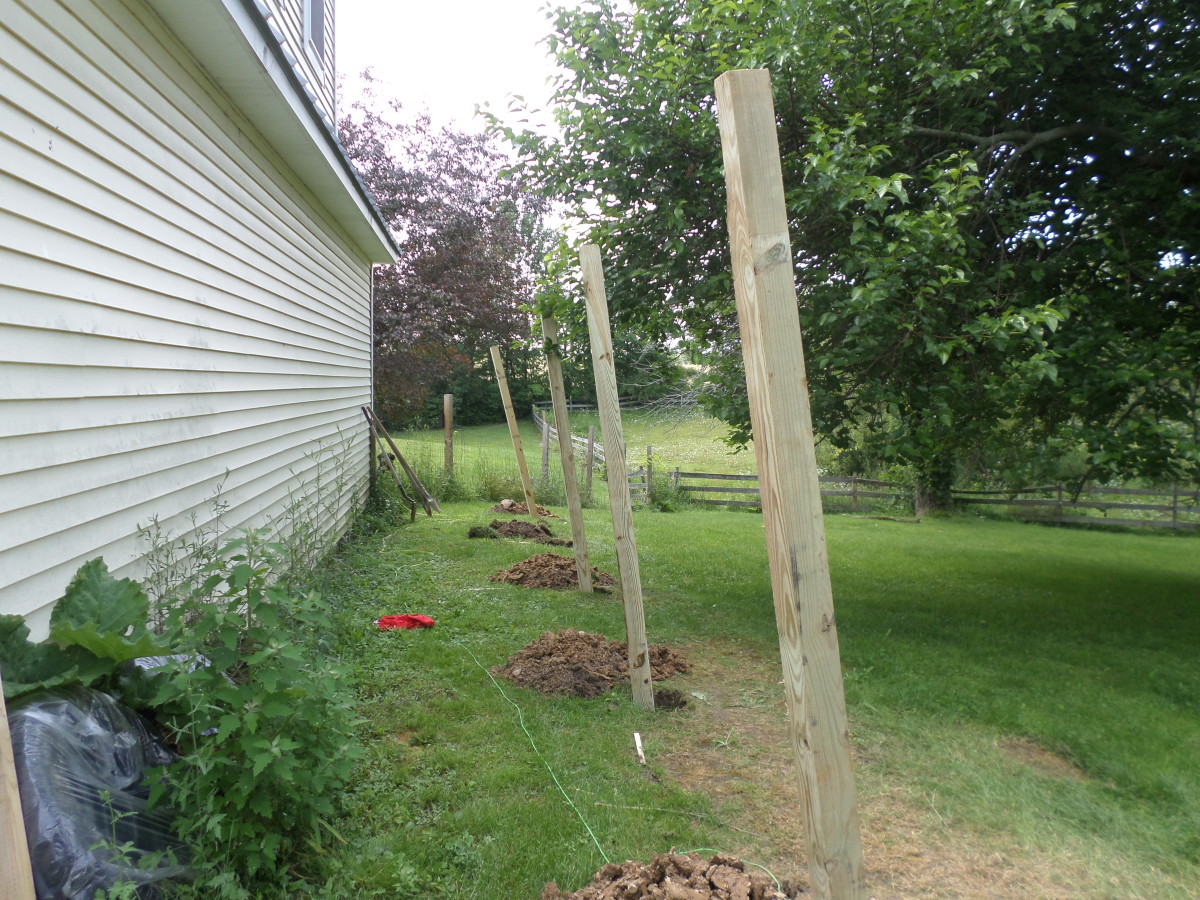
(511, 417)
(765, 291)
(566, 454)
(618, 481)
(15, 868)
(448, 434)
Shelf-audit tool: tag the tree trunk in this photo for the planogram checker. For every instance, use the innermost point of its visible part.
(935, 478)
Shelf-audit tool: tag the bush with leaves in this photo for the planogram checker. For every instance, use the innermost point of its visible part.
(258, 713)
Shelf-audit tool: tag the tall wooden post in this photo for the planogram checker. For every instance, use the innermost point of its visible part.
(618, 482)
(448, 434)
(511, 417)
(764, 287)
(16, 871)
(566, 454)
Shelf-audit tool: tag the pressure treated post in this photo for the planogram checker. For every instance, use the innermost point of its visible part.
(566, 454)
(511, 417)
(448, 433)
(764, 288)
(15, 868)
(618, 482)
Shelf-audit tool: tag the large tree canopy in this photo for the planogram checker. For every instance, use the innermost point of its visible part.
(470, 245)
(993, 207)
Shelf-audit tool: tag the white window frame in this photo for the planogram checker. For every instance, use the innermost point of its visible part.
(316, 28)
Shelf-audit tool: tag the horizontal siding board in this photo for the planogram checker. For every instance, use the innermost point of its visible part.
(80, 458)
(196, 307)
(139, 256)
(259, 478)
(176, 310)
(93, 102)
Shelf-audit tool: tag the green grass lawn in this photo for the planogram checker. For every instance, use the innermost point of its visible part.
(961, 639)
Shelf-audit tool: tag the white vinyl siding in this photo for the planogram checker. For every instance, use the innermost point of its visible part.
(176, 311)
(315, 68)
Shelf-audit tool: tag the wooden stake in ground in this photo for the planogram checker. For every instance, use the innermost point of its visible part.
(16, 870)
(765, 291)
(386, 458)
(426, 498)
(511, 417)
(618, 483)
(566, 454)
(448, 434)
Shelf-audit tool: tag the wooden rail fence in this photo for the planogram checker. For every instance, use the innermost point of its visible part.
(1173, 506)
(1167, 506)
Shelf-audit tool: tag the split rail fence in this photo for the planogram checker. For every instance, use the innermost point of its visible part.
(1173, 506)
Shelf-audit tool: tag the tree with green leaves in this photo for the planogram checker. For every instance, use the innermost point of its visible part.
(993, 207)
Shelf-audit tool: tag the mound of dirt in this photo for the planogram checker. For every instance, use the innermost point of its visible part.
(583, 665)
(515, 528)
(522, 509)
(675, 876)
(549, 570)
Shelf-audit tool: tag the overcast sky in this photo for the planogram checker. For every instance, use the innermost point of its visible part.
(449, 55)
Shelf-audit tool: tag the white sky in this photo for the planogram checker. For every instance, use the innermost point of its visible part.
(448, 55)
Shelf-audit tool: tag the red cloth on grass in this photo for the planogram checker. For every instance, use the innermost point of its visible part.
(405, 621)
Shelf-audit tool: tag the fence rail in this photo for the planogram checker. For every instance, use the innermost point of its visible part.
(1179, 505)
(579, 442)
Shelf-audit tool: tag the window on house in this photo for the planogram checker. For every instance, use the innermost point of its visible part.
(314, 26)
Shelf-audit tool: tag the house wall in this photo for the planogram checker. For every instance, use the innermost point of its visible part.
(177, 312)
(316, 69)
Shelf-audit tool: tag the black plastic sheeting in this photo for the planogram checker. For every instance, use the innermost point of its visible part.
(81, 761)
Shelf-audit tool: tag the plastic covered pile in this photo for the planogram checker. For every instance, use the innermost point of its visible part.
(81, 761)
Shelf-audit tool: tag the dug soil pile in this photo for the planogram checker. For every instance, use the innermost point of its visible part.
(515, 528)
(674, 876)
(549, 570)
(583, 665)
(522, 509)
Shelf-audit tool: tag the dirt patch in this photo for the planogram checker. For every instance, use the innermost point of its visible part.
(675, 876)
(1040, 758)
(521, 530)
(736, 750)
(580, 664)
(522, 509)
(549, 570)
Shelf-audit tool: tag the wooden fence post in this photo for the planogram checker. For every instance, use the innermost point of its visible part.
(764, 289)
(566, 453)
(510, 416)
(16, 871)
(618, 480)
(448, 434)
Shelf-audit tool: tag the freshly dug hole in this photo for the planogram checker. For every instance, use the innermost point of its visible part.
(675, 876)
(580, 664)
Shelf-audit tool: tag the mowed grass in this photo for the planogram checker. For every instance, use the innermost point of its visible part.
(484, 457)
(960, 637)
